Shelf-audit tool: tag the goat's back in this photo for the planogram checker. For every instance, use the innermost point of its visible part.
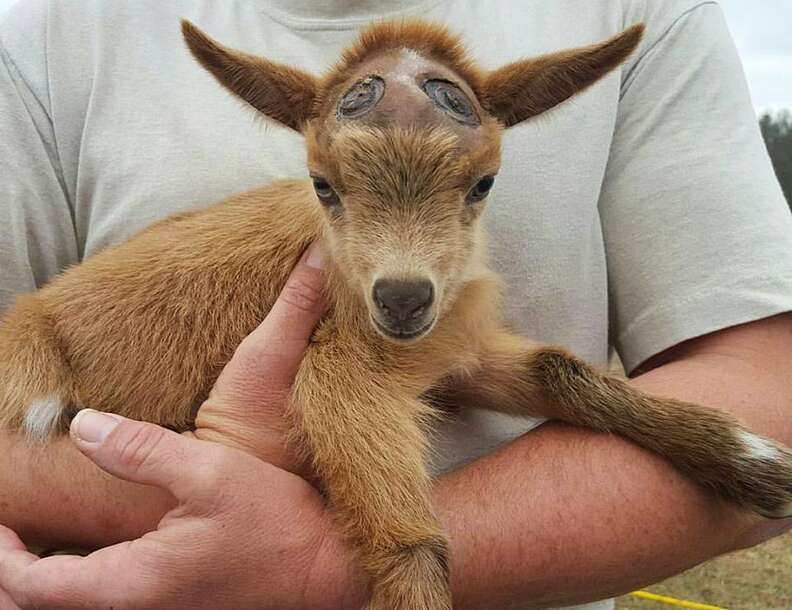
(144, 328)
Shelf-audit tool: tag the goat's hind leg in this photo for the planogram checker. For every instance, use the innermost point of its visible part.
(36, 386)
(707, 445)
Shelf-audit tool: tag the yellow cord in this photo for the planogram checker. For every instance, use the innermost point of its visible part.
(672, 601)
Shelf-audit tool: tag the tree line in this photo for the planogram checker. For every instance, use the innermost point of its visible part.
(777, 132)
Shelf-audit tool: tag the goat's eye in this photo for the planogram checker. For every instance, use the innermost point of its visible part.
(481, 190)
(324, 191)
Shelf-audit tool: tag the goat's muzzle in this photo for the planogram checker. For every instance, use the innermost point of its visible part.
(403, 309)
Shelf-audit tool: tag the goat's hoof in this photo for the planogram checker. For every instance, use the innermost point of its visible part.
(416, 579)
(767, 476)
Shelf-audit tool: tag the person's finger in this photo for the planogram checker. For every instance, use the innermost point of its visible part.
(17, 588)
(63, 582)
(14, 558)
(6, 603)
(272, 353)
(9, 541)
(302, 301)
(14, 561)
(146, 453)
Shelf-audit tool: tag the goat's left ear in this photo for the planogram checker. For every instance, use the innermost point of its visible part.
(523, 89)
(281, 92)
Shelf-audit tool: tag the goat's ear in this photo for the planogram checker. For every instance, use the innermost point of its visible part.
(523, 89)
(281, 92)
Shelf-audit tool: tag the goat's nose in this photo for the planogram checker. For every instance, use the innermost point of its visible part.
(403, 300)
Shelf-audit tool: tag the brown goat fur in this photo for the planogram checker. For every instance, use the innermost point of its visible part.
(144, 328)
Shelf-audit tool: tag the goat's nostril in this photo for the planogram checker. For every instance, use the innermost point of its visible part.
(402, 300)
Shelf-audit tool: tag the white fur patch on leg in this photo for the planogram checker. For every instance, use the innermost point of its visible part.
(758, 448)
(42, 416)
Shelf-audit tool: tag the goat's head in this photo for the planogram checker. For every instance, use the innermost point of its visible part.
(403, 140)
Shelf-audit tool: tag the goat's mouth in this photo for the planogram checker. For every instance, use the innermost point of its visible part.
(404, 333)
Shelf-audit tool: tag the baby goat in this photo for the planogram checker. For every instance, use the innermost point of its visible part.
(403, 139)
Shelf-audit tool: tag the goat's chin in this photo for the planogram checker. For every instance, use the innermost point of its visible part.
(402, 336)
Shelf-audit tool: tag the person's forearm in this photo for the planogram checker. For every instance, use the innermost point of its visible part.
(564, 515)
(52, 495)
(559, 516)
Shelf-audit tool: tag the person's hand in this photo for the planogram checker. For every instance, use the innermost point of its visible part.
(246, 406)
(243, 535)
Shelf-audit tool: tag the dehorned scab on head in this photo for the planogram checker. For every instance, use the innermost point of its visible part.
(402, 88)
(509, 95)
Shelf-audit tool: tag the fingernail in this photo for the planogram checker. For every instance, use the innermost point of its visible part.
(92, 426)
(314, 256)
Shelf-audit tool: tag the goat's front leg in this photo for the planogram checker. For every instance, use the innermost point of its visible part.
(707, 445)
(365, 441)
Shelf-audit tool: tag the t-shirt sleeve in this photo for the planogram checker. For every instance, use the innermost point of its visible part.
(37, 238)
(697, 233)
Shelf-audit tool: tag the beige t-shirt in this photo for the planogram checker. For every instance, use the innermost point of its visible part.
(642, 213)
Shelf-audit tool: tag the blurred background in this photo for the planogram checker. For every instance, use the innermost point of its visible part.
(762, 30)
(759, 579)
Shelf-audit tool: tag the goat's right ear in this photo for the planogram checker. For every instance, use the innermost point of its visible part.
(281, 92)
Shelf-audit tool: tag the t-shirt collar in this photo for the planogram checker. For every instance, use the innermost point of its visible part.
(341, 13)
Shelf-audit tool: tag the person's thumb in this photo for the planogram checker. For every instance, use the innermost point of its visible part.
(272, 353)
(143, 453)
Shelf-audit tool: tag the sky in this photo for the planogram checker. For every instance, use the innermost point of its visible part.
(762, 30)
